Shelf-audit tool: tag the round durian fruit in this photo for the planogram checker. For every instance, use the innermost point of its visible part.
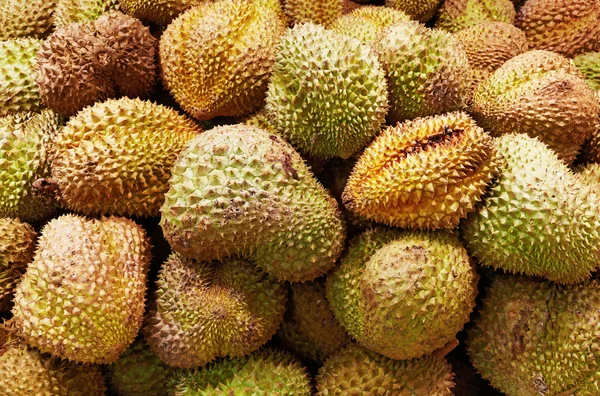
(26, 18)
(421, 10)
(569, 27)
(537, 338)
(538, 218)
(367, 23)
(542, 94)
(323, 12)
(589, 65)
(79, 11)
(310, 330)
(139, 372)
(160, 12)
(266, 372)
(456, 15)
(25, 371)
(82, 297)
(403, 294)
(206, 310)
(116, 157)
(355, 370)
(17, 246)
(25, 143)
(427, 71)
(327, 95)
(427, 173)
(226, 51)
(18, 90)
(85, 63)
(237, 189)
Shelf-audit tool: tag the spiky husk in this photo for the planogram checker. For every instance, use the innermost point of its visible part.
(456, 15)
(421, 10)
(323, 12)
(26, 18)
(589, 65)
(367, 23)
(79, 11)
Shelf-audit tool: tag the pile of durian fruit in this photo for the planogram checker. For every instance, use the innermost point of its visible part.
(298, 197)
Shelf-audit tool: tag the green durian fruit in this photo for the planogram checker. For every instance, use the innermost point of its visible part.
(534, 337)
(327, 95)
(116, 157)
(18, 89)
(139, 372)
(538, 218)
(26, 18)
(427, 71)
(82, 297)
(17, 245)
(403, 294)
(421, 10)
(25, 144)
(237, 189)
(589, 65)
(160, 12)
(206, 310)
(355, 370)
(455, 15)
(78, 11)
(368, 22)
(268, 372)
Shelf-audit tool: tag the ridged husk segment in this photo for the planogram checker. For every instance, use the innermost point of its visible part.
(17, 246)
(82, 297)
(80, 11)
(542, 94)
(240, 190)
(84, 63)
(355, 370)
(25, 371)
(327, 94)
(427, 71)
(589, 66)
(569, 27)
(534, 337)
(456, 15)
(206, 310)
(421, 10)
(368, 22)
(310, 329)
(18, 89)
(26, 18)
(403, 294)
(267, 372)
(323, 12)
(25, 144)
(226, 49)
(160, 12)
(538, 218)
(427, 173)
(116, 157)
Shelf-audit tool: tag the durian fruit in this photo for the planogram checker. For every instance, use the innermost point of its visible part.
(26, 18)
(25, 143)
(17, 245)
(115, 157)
(589, 65)
(85, 63)
(421, 10)
(427, 173)
(456, 15)
(261, 120)
(355, 370)
(267, 372)
(18, 90)
(569, 27)
(79, 11)
(82, 297)
(538, 218)
(367, 23)
(322, 12)
(139, 372)
(327, 94)
(537, 338)
(590, 175)
(25, 371)
(237, 189)
(403, 294)
(427, 71)
(160, 12)
(216, 58)
(542, 94)
(206, 310)
(310, 330)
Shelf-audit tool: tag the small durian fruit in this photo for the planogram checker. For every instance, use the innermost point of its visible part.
(78, 11)
(206, 310)
(84, 63)
(82, 297)
(589, 65)
(26, 18)
(456, 15)
(420, 10)
(367, 23)
(160, 12)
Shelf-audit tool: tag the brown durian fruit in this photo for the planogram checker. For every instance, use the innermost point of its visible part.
(322, 12)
